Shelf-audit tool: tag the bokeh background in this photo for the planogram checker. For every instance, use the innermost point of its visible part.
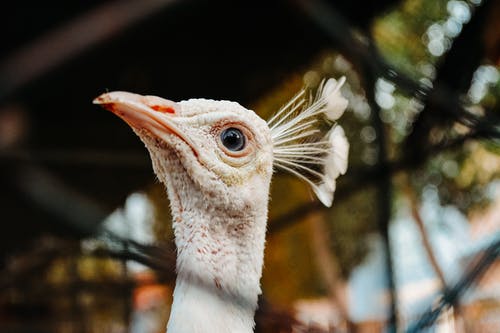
(412, 240)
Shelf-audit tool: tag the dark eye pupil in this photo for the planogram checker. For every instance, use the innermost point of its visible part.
(233, 139)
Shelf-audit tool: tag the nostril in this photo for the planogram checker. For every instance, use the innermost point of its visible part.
(159, 104)
(163, 108)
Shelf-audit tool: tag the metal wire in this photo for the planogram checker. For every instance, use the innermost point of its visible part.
(451, 296)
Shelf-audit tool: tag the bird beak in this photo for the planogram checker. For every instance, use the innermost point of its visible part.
(152, 113)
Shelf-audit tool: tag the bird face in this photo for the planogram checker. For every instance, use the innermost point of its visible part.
(216, 148)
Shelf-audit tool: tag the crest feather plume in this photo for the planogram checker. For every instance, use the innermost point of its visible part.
(299, 146)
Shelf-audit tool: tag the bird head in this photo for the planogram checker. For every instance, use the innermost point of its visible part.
(227, 153)
(217, 149)
(216, 159)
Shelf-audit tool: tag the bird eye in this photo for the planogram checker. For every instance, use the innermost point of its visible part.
(233, 139)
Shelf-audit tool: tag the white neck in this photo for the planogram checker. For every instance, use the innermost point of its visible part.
(219, 265)
(202, 309)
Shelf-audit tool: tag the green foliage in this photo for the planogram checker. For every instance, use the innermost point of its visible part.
(461, 176)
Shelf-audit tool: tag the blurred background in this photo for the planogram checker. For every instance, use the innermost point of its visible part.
(412, 242)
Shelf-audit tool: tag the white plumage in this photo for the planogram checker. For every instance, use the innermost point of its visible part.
(216, 159)
(295, 130)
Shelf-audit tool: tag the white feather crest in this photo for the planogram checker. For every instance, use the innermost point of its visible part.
(299, 147)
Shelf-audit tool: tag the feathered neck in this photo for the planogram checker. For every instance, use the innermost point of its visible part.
(219, 259)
